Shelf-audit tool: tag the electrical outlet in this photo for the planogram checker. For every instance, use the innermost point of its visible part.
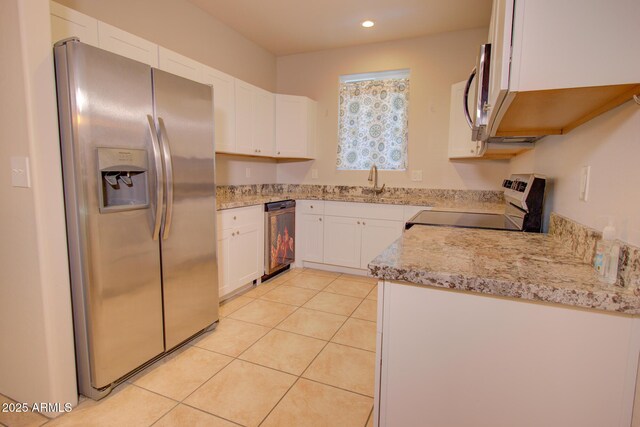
(416, 175)
(584, 183)
(314, 173)
(247, 172)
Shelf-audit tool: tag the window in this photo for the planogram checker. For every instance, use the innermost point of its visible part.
(373, 121)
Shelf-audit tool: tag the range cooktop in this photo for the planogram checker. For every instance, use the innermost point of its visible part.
(523, 197)
(462, 219)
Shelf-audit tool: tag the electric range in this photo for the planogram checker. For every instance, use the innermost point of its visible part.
(524, 198)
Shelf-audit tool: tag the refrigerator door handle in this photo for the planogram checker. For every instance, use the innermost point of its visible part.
(166, 155)
(159, 177)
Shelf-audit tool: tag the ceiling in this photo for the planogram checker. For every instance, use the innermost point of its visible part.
(286, 27)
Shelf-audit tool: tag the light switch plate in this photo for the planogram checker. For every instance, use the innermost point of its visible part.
(584, 183)
(314, 173)
(20, 172)
(416, 175)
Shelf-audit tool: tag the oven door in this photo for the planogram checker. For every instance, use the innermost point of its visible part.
(280, 230)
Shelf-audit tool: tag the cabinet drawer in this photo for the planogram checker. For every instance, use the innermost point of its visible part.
(239, 217)
(310, 206)
(364, 210)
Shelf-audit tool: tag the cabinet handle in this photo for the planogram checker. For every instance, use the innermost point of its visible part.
(278, 152)
(233, 234)
(234, 217)
(311, 206)
(364, 223)
(320, 219)
(358, 222)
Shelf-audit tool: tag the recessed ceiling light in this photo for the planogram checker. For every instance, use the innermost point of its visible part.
(368, 24)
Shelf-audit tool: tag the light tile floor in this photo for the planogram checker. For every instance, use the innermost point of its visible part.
(295, 351)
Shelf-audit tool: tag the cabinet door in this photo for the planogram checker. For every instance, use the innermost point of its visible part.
(224, 108)
(460, 143)
(179, 65)
(311, 238)
(291, 126)
(244, 117)
(126, 44)
(342, 237)
(66, 22)
(244, 255)
(377, 235)
(264, 122)
(225, 285)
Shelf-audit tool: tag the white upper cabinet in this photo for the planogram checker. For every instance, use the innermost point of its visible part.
(255, 120)
(461, 146)
(295, 126)
(67, 23)
(244, 117)
(264, 122)
(179, 65)
(555, 65)
(224, 108)
(126, 44)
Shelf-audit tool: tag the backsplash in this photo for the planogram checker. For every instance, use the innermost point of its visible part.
(485, 196)
(582, 241)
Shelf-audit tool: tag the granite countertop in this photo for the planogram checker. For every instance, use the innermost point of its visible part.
(527, 266)
(428, 202)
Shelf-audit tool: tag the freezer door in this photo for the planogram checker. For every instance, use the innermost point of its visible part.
(104, 100)
(184, 115)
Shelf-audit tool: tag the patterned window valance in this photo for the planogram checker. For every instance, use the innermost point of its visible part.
(373, 124)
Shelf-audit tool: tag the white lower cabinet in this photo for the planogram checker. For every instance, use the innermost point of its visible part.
(240, 247)
(342, 238)
(447, 358)
(310, 237)
(377, 235)
(355, 233)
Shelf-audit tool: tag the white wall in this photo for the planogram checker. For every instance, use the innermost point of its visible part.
(436, 62)
(232, 170)
(36, 345)
(610, 144)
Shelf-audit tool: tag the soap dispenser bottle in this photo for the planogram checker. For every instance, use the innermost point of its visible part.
(607, 253)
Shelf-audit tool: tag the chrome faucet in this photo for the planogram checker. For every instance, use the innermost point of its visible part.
(373, 177)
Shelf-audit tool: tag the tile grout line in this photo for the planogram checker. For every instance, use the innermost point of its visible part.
(271, 328)
(278, 402)
(310, 363)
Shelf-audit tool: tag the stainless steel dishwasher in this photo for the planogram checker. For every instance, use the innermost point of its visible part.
(279, 239)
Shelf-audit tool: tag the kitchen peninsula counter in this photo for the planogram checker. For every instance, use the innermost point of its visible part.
(483, 326)
(527, 266)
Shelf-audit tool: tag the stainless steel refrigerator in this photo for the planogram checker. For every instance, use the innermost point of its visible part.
(138, 164)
